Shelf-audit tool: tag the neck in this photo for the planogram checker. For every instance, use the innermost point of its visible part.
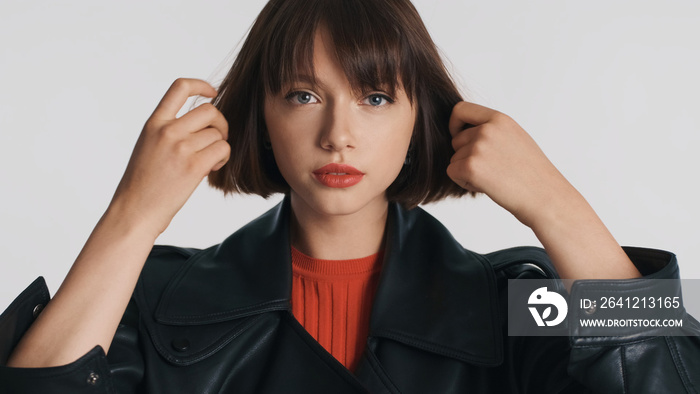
(338, 237)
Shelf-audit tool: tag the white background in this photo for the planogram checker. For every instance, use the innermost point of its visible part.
(608, 89)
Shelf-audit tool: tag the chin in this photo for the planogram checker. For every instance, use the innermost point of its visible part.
(339, 202)
(343, 205)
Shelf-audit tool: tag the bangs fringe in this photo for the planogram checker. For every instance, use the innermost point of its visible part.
(369, 48)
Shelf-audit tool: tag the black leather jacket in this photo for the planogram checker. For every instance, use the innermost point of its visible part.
(218, 320)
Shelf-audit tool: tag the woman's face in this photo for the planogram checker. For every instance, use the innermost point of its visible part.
(315, 128)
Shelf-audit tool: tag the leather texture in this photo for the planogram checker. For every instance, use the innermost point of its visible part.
(218, 320)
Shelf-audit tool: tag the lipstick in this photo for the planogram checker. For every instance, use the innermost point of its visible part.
(338, 175)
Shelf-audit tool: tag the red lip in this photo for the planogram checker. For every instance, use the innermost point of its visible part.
(338, 175)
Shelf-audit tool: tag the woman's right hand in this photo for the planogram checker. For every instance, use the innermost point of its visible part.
(171, 157)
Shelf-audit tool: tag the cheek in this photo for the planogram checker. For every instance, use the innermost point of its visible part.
(291, 126)
(390, 148)
(282, 132)
(398, 135)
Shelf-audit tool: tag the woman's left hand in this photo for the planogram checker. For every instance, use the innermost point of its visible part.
(494, 155)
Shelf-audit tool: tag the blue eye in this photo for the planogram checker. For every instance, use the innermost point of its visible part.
(378, 100)
(301, 98)
(304, 98)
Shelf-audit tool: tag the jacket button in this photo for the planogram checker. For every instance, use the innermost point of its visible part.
(37, 310)
(180, 344)
(93, 378)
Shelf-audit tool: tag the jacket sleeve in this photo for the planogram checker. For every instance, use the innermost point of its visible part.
(638, 360)
(119, 372)
(580, 359)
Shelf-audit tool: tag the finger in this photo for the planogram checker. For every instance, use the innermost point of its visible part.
(467, 114)
(214, 156)
(465, 137)
(202, 139)
(177, 95)
(204, 116)
(461, 153)
(456, 173)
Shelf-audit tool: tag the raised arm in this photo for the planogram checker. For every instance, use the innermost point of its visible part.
(494, 155)
(170, 159)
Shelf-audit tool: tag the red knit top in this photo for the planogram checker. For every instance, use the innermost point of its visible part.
(332, 299)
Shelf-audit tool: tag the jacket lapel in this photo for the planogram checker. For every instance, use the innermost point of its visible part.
(247, 274)
(435, 295)
(432, 294)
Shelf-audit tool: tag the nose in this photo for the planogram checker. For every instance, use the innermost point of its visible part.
(337, 134)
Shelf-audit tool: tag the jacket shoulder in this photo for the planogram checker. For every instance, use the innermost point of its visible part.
(164, 260)
(17, 318)
(652, 263)
(171, 254)
(525, 262)
(162, 263)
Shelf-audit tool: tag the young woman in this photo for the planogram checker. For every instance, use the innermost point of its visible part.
(345, 286)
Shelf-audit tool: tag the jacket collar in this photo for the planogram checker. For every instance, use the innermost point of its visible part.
(432, 293)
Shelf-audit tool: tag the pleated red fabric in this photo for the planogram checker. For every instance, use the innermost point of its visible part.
(332, 299)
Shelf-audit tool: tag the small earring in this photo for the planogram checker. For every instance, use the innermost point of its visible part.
(267, 144)
(407, 161)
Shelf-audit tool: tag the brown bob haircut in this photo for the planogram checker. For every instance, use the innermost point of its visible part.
(378, 44)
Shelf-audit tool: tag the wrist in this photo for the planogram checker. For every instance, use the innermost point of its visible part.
(556, 204)
(579, 244)
(129, 222)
